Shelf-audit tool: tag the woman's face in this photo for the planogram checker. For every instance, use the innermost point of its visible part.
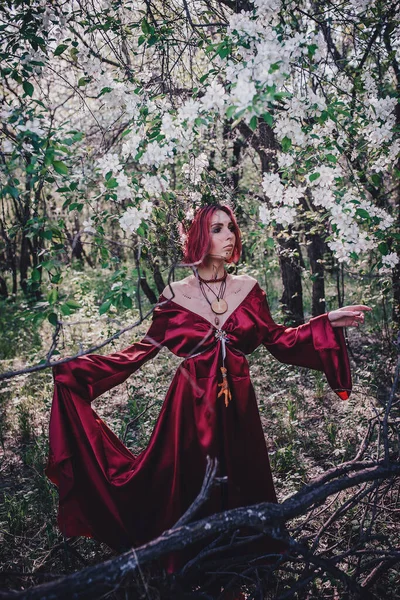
(222, 235)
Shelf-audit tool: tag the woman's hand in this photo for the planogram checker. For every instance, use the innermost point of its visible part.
(348, 316)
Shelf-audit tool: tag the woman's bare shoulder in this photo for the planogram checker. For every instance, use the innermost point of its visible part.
(176, 287)
(246, 281)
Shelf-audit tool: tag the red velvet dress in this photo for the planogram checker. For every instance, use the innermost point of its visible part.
(107, 493)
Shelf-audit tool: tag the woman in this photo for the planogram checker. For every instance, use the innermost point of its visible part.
(211, 320)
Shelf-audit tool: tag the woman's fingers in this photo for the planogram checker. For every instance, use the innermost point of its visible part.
(354, 307)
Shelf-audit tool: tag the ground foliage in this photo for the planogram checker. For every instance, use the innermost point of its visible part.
(308, 431)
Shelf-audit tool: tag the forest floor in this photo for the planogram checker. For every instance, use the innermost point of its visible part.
(308, 429)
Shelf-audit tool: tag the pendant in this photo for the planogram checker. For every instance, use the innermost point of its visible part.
(219, 306)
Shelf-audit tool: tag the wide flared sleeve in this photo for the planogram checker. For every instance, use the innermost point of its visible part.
(94, 374)
(77, 436)
(315, 345)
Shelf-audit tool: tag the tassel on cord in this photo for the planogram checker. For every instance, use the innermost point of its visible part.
(224, 385)
(225, 391)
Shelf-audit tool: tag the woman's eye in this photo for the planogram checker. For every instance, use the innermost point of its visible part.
(217, 230)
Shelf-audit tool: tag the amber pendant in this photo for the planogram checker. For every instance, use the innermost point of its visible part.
(219, 306)
(225, 391)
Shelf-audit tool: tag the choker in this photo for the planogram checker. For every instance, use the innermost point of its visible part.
(224, 276)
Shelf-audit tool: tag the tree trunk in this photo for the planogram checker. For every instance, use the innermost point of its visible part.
(158, 280)
(150, 295)
(290, 265)
(3, 289)
(315, 250)
(24, 264)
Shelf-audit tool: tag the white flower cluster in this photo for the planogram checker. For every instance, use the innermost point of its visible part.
(382, 120)
(195, 167)
(155, 155)
(189, 111)
(348, 237)
(283, 201)
(297, 109)
(133, 217)
(33, 126)
(109, 162)
(244, 23)
(327, 176)
(155, 185)
(215, 97)
(130, 145)
(123, 191)
(389, 261)
(360, 6)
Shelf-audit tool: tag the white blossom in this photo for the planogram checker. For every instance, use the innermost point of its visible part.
(123, 191)
(88, 226)
(215, 97)
(389, 261)
(189, 111)
(109, 162)
(273, 187)
(264, 214)
(155, 185)
(33, 126)
(131, 145)
(132, 217)
(155, 154)
(195, 168)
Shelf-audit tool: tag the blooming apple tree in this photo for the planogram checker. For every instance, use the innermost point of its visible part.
(125, 114)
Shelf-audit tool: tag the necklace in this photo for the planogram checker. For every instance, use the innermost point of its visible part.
(219, 306)
(213, 280)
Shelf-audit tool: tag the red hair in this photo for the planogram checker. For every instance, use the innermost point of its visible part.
(198, 239)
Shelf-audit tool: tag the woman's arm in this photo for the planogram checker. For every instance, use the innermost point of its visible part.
(93, 374)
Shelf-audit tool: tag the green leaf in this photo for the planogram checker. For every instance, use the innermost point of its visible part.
(60, 49)
(83, 81)
(35, 275)
(361, 212)
(268, 118)
(311, 49)
(60, 167)
(56, 278)
(104, 307)
(65, 309)
(253, 123)
(224, 51)
(52, 317)
(73, 304)
(28, 88)
(126, 301)
(332, 158)
(47, 234)
(383, 248)
(145, 26)
(270, 243)
(111, 183)
(376, 179)
(314, 176)
(52, 296)
(286, 144)
(230, 111)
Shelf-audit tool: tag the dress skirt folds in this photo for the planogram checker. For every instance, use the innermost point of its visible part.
(106, 492)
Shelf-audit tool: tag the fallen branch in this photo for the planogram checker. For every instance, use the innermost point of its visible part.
(92, 582)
